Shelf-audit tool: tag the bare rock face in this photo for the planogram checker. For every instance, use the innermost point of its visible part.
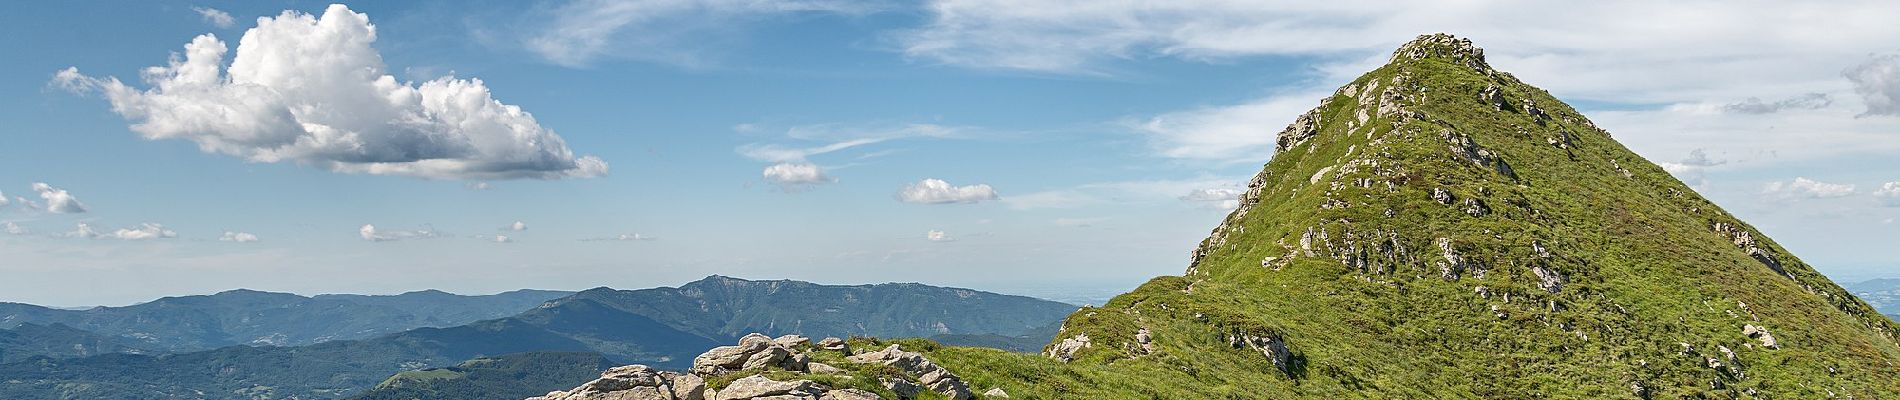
(1268, 345)
(757, 387)
(631, 382)
(754, 352)
(1065, 350)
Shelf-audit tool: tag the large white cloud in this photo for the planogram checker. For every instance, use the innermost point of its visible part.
(312, 90)
(936, 191)
(58, 200)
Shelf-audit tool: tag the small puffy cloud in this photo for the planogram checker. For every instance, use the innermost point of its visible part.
(792, 175)
(1755, 105)
(312, 90)
(1225, 198)
(936, 191)
(215, 17)
(1700, 158)
(518, 226)
(1878, 82)
(141, 232)
(13, 229)
(371, 233)
(502, 239)
(58, 200)
(1888, 194)
(3, 199)
(478, 186)
(238, 237)
(625, 237)
(1803, 187)
(938, 236)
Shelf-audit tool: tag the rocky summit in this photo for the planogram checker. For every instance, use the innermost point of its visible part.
(747, 371)
(1436, 228)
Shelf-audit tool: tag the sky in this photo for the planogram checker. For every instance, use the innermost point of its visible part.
(1064, 149)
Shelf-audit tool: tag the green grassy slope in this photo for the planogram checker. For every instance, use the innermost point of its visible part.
(1342, 253)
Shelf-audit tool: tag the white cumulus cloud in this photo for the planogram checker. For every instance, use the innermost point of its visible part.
(791, 175)
(1888, 194)
(371, 233)
(1807, 188)
(517, 226)
(13, 229)
(58, 200)
(141, 232)
(215, 17)
(312, 90)
(239, 237)
(936, 191)
(938, 236)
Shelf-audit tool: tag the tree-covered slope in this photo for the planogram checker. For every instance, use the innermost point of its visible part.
(504, 377)
(248, 317)
(56, 341)
(1439, 229)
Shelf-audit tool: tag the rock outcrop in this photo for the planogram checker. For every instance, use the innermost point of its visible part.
(759, 353)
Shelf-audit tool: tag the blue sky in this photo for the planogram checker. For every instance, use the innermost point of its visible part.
(1062, 149)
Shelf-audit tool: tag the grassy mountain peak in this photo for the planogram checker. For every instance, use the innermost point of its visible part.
(1439, 229)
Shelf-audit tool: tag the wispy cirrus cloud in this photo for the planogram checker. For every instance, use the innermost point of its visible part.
(580, 33)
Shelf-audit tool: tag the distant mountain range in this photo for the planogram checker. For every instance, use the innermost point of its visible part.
(248, 317)
(661, 326)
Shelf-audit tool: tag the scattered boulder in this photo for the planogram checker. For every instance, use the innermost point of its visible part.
(1761, 334)
(1267, 344)
(791, 341)
(929, 375)
(832, 343)
(1065, 350)
(758, 386)
(849, 394)
(823, 368)
(996, 393)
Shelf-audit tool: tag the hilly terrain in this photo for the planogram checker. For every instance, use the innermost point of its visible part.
(55, 341)
(505, 377)
(1436, 228)
(248, 317)
(659, 326)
